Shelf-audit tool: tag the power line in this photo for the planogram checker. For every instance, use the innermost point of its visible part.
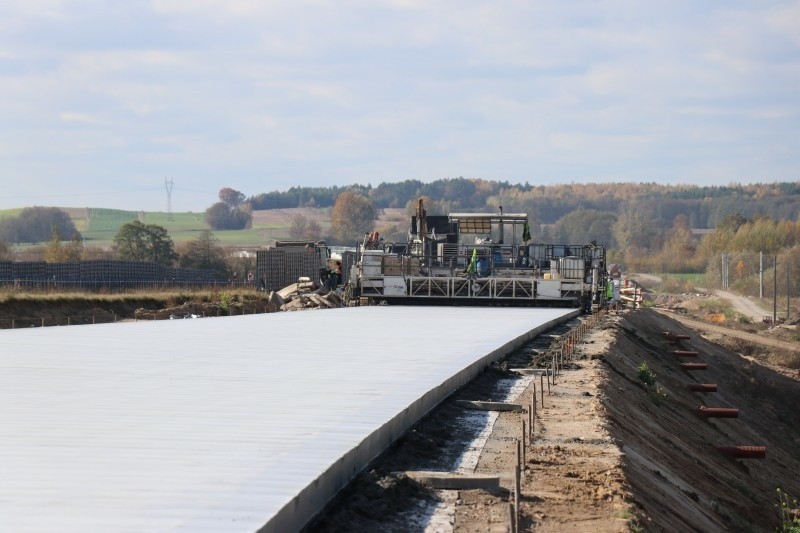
(168, 183)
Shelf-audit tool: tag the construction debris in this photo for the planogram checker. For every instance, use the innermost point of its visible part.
(305, 295)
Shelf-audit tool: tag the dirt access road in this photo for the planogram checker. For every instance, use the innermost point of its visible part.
(742, 304)
(611, 452)
(723, 331)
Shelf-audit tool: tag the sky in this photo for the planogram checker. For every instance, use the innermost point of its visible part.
(102, 101)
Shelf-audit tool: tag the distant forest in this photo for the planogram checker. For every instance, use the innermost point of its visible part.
(702, 207)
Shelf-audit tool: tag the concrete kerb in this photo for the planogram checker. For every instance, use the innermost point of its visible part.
(313, 498)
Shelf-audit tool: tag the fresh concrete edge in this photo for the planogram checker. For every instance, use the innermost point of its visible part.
(312, 499)
(489, 406)
(454, 481)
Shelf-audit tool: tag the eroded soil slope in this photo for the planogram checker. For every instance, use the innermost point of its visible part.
(611, 452)
(679, 480)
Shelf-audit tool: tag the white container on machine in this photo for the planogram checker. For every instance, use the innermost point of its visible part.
(571, 267)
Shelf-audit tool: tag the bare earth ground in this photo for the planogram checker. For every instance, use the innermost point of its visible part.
(573, 472)
(744, 305)
(611, 453)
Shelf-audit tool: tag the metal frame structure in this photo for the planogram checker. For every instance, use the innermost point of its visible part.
(492, 270)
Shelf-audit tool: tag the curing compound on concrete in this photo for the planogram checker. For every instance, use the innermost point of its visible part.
(237, 424)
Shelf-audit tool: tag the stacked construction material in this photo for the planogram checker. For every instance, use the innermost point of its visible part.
(301, 263)
(278, 267)
(348, 260)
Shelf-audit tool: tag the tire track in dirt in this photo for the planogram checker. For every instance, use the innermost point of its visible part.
(749, 337)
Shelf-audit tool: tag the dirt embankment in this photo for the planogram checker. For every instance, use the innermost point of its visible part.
(611, 453)
(679, 480)
(67, 309)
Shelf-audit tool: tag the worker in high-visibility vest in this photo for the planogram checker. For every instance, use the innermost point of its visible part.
(473, 263)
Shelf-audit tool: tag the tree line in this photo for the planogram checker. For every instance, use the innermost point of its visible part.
(704, 206)
(647, 227)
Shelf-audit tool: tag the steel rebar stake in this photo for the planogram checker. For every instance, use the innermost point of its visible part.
(517, 489)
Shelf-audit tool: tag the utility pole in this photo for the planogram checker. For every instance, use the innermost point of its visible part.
(788, 307)
(775, 291)
(168, 185)
(761, 275)
(724, 271)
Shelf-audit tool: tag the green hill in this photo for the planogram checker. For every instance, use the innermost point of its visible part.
(99, 225)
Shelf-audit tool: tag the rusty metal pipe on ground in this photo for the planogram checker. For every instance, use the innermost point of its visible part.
(685, 353)
(702, 387)
(694, 366)
(717, 412)
(676, 336)
(743, 452)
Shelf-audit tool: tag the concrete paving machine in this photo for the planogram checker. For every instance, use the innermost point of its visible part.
(476, 259)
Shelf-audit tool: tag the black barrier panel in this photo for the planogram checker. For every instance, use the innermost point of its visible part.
(278, 267)
(100, 273)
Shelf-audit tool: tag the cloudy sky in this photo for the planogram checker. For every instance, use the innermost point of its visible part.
(101, 100)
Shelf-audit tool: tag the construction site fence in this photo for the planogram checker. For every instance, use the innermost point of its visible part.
(118, 286)
(103, 274)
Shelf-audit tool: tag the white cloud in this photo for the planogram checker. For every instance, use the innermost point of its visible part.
(323, 92)
(82, 118)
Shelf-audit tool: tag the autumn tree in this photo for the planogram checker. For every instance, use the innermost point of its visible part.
(58, 252)
(679, 253)
(303, 229)
(139, 242)
(52, 253)
(231, 197)
(35, 224)
(5, 252)
(229, 213)
(351, 216)
(432, 207)
(634, 227)
(204, 253)
(760, 235)
(585, 225)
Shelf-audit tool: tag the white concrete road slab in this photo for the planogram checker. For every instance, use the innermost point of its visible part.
(224, 424)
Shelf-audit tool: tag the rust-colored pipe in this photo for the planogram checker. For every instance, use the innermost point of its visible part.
(694, 366)
(702, 387)
(675, 336)
(743, 452)
(685, 353)
(717, 412)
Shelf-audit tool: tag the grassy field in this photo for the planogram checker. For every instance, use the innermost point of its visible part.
(10, 212)
(99, 226)
(696, 278)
